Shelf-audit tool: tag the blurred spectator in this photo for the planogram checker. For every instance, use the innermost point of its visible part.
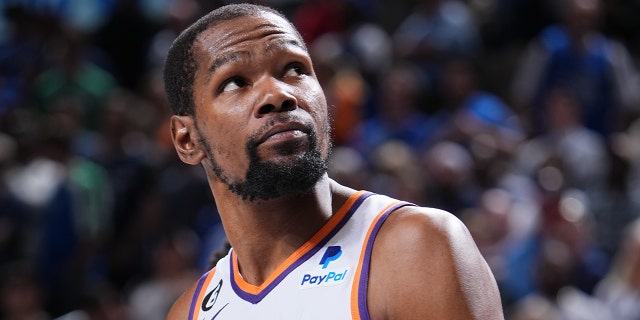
(21, 297)
(76, 218)
(67, 201)
(396, 171)
(434, 30)
(398, 114)
(567, 265)
(508, 23)
(349, 63)
(581, 160)
(568, 221)
(477, 119)
(556, 298)
(476, 111)
(179, 14)
(575, 55)
(620, 289)
(361, 43)
(121, 146)
(14, 215)
(21, 57)
(125, 38)
(348, 166)
(99, 302)
(172, 274)
(506, 230)
(316, 17)
(449, 178)
(347, 91)
(72, 76)
(569, 165)
(581, 151)
(628, 144)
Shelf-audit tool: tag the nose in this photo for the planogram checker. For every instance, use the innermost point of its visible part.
(275, 96)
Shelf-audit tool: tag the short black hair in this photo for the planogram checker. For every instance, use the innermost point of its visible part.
(180, 65)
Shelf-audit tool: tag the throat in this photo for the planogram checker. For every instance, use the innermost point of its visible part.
(266, 262)
(269, 236)
(274, 248)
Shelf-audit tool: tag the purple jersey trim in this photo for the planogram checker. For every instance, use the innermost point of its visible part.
(364, 273)
(196, 294)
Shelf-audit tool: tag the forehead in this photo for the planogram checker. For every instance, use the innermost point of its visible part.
(267, 28)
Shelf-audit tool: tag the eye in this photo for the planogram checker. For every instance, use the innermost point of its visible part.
(233, 84)
(295, 70)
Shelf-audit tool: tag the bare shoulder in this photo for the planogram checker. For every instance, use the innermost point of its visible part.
(426, 265)
(180, 308)
(425, 222)
(431, 233)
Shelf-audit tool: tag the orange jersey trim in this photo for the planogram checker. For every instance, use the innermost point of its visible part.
(199, 294)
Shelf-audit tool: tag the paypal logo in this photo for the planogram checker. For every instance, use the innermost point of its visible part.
(324, 279)
(327, 277)
(331, 254)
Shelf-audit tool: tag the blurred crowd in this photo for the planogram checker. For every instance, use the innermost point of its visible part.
(520, 117)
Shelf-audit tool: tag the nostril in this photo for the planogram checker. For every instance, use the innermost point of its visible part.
(266, 109)
(288, 105)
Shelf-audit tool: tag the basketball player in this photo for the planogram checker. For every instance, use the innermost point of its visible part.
(249, 109)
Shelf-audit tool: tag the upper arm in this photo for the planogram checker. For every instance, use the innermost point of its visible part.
(425, 265)
(180, 308)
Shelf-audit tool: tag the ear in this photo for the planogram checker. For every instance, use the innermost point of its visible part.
(185, 141)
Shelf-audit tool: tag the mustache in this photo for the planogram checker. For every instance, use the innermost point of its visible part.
(251, 147)
(281, 118)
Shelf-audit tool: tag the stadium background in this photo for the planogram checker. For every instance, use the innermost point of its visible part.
(447, 104)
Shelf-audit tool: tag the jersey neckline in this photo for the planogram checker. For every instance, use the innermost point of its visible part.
(255, 293)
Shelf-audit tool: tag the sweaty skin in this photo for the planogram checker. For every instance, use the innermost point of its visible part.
(254, 69)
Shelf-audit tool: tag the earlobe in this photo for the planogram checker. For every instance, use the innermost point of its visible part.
(185, 141)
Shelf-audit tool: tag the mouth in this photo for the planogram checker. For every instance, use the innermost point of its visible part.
(284, 132)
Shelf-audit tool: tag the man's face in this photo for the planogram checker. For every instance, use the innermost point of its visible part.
(261, 115)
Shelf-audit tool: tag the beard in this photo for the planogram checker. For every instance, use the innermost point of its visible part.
(267, 180)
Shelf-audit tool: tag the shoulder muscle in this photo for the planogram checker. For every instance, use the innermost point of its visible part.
(426, 265)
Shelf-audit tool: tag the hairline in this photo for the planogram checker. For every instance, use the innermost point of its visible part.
(181, 64)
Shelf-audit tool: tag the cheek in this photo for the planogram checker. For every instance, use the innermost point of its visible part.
(317, 102)
(222, 126)
(225, 140)
(318, 109)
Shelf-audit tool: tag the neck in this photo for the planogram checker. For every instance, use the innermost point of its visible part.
(265, 233)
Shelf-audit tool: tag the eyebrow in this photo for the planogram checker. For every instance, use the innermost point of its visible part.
(276, 45)
(228, 58)
(280, 44)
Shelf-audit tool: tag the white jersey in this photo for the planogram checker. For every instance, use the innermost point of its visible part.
(326, 278)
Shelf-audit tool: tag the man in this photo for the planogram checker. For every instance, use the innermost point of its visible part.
(575, 54)
(249, 109)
